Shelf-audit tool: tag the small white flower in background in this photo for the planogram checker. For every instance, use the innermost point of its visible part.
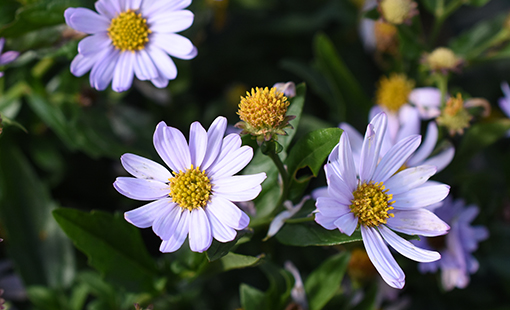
(504, 102)
(6, 57)
(457, 262)
(131, 37)
(197, 197)
(381, 200)
(427, 100)
(288, 89)
(280, 219)
(297, 293)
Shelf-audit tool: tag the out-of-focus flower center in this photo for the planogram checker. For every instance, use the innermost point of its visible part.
(360, 267)
(129, 31)
(190, 189)
(371, 204)
(396, 11)
(454, 116)
(263, 108)
(442, 58)
(385, 37)
(393, 92)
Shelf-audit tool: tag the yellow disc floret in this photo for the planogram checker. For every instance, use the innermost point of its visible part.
(392, 92)
(386, 39)
(129, 31)
(443, 59)
(371, 204)
(190, 189)
(263, 113)
(397, 11)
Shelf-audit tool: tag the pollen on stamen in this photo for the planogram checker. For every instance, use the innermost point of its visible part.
(371, 204)
(190, 189)
(129, 31)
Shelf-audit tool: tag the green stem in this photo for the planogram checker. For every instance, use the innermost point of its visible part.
(442, 84)
(301, 220)
(441, 15)
(285, 179)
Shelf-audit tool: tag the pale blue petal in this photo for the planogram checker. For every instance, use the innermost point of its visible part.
(331, 207)
(173, 44)
(102, 72)
(406, 248)
(240, 187)
(124, 72)
(337, 188)
(426, 147)
(106, 8)
(347, 223)
(277, 223)
(231, 163)
(215, 135)
(220, 232)
(145, 215)
(320, 192)
(141, 189)
(162, 61)
(144, 67)
(165, 226)
(420, 197)
(417, 222)
(372, 146)
(94, 44)
(132, 5)
(180, 233)
(8, 57)
(172, 147)
(325, 221)
(442, 159)
(228, 213)
(200, 235)
(169, 22)
(160, 82)
(409, 178)
(395, 158)
(150, 7)
(81, 65)
(197, 143)
(380, 256)
(345, 166)
(144, 168)
(86, 20)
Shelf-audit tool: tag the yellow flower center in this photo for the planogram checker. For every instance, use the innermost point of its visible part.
(454, 115)
(263, 108)
(190, 189)
(385, 37)
(396, 11)
(392, 92)
(129, 31)
(442, 58)
(371, 204)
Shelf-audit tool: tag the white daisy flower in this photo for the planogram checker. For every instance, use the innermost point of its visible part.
(382, 201)
(131, 37)
(197, 197)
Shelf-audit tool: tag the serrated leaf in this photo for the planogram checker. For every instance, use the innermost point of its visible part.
(311, 234)
(113, 246)
(323, 282)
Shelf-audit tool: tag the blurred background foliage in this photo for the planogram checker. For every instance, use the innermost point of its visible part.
(61, 143)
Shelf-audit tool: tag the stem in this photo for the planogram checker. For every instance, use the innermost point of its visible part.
(442, 84)
(301, 220)
(285, 178)
(442, 14)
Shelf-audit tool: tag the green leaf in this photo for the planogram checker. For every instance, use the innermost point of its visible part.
(36, 16)
(43, 298)
(477, 2)
(307, 234)
(113, 246)
(342, 82)
(323, 282)
(42, 253)
(252, 298)
(480, 136)
(280, 285)
(369, 301)
(219, 249)
(238, 261)
(312, 150)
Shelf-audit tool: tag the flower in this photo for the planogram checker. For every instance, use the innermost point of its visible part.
(504, 102)
(397, 11)
(382, 201)
(131, 38)
(456, 262)
(263, 114)
(297, 293)
(6, 57)
(454, 116)
(442, 60)
(197, 196)
(427, 100)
